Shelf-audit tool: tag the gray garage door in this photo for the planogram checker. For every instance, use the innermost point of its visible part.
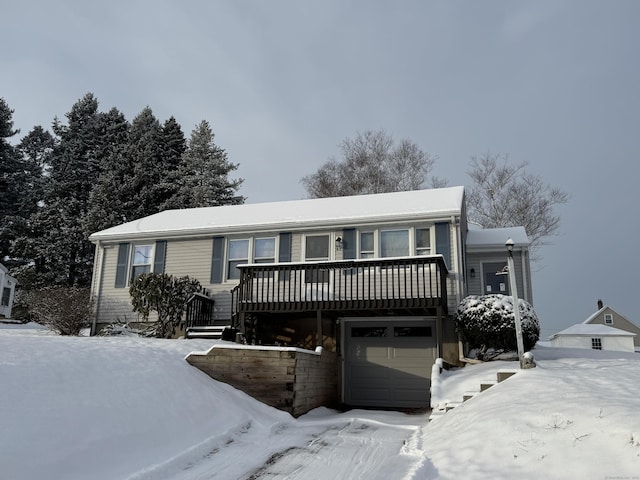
(388, 363)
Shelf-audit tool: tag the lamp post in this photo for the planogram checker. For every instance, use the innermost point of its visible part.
(516, 303)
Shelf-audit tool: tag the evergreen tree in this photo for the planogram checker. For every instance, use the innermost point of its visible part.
(9, 166)
(203, 175)
(110, 199)
(144, 152)
(172, 146)
(63, 254)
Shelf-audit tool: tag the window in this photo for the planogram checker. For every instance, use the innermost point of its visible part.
(142, 260)
(596, 343)
(316, 247)
(238, 254)
(608, 319)
(423, 241)
(412, 332)
(366, 245)
(368, 332)
(264, 250)
(6, 295)
(394, 243)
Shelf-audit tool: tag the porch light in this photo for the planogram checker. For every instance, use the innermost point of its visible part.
(473, 273)
(338, 243)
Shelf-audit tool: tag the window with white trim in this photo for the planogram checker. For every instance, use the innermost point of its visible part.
(142, 260)
(394, 243)
(423, 241)
(6, 296)
(264, 250)
(367, 245)
(608, 319)
(238, 253)
(596, 343)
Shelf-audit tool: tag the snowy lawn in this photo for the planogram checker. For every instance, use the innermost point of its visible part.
(128, 408)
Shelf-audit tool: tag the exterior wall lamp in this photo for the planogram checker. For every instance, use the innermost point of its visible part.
(338, 243)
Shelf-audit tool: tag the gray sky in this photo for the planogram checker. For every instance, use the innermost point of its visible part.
(553, 83)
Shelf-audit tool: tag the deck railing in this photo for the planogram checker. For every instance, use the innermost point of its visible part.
(199, 310)
(367, 284)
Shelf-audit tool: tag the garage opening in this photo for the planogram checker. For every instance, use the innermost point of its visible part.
(387, 361)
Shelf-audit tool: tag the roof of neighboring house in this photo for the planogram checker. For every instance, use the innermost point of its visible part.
(601, 311)
(337, 211)
(492, 237)
(582, 329)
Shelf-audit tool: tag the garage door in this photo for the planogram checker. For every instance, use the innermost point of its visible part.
(388, 363)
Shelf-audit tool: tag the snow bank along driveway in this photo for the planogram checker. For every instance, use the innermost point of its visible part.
(127, 408)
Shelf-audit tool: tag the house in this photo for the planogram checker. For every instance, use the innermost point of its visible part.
(605, 315)
(7, 289)
(373, 279)
(594, 336)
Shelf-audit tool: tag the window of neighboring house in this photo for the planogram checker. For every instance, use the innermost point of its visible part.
(423, 241)
(608, 319)
(367, 248)
(238, 254)
(142, 260)
(495, 283)
(596, 343)
(394, 243)
(6, 295)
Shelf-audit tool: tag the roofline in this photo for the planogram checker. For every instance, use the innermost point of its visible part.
(276, 226)
(598, 312)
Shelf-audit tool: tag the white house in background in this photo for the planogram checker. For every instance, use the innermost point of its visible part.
(596, 337)
(605, 315)
(7, 290)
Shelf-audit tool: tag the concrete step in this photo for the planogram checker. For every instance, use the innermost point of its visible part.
(212, 332)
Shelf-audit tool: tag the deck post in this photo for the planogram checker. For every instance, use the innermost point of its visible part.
(319, 328)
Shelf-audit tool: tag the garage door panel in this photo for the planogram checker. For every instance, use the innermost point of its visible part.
(392, 370)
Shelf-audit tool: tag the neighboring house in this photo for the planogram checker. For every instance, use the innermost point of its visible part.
(597, 337)
(605, 315)
(373, 278)
(7, 289)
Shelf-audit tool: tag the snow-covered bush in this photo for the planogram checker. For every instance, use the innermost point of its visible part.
(164, 294)
(66, 310)
(486, 323)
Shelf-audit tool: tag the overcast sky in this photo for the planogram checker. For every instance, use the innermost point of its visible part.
(552, 83)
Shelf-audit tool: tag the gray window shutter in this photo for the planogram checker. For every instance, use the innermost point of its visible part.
(284, 250)
(349, 243)
(284, 253)
(217, 259)
(122, 265)
(443, 242)
(161, 255)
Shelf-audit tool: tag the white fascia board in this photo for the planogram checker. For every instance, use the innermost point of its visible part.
(206, 231)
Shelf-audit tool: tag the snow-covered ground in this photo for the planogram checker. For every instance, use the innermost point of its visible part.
(130, 408)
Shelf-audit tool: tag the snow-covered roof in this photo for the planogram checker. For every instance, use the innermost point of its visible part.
(582, 329)
(491, 237)
(337, 211)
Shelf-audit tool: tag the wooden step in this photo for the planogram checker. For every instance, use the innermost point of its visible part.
(213, 332)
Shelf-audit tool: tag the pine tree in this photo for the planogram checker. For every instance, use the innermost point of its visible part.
(172, 146)
(63, 254)
(144, 152)
(204, 173)
(110, 199)
(9, 166)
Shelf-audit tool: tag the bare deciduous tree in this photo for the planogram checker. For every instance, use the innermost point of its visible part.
(504, 195)
(371, 163)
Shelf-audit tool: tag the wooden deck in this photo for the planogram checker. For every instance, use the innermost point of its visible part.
(414, 284)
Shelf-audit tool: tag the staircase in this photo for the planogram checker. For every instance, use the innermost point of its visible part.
(501, 375)
(213, 332)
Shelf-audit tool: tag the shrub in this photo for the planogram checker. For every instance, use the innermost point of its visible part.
(486, 323)
(66, 310)
(164, 294)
